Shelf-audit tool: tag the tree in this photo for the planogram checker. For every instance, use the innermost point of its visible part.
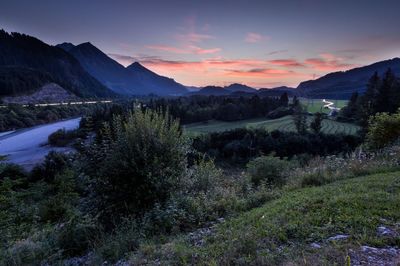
(384, 97)
(284, 99)
(368, 100)
(295, 101)
(300, 119)
(316, 124)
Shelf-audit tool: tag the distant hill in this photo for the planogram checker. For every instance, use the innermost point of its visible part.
(133, 80)
(340, 85)
(240, 87)
(193, 88)
(234, 88)
(27, 64)
(278, 91)
(211, 90)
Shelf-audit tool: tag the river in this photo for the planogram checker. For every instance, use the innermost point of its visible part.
(27, 147)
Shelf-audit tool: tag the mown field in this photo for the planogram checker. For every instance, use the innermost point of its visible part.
(284, 124)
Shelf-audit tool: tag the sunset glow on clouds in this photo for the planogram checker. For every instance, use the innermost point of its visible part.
(263, 44)
(202, 61)
(221, 71)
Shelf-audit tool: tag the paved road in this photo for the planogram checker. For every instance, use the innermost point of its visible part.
(329, 105)
(62, 103)
(27, 146)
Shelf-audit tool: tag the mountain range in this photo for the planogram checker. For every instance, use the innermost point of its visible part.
(132, 80)
(27, 64)
(340, 85)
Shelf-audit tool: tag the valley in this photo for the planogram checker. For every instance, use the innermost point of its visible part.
(199, 133)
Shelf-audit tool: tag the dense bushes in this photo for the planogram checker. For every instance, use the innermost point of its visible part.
(53, 164)
(226, 108)
(267, 169)
(62, 138)
(383, 129)
(139, 163)
(240, 145)
(16, 116)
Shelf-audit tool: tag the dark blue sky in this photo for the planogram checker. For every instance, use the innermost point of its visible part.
(261, 43)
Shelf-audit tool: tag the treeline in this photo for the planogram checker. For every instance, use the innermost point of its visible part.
(16, 80)
(226, 108)
(382, 95)
(16, 116)
(240, 145)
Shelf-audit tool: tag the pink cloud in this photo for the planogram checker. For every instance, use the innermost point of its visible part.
(328, 64)
(167, 48)
(193, 37)
(191, 49)
(253, 37)
(286, 63)
(198, 50)
(262, 72)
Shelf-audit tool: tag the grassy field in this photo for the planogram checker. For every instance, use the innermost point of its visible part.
(316, 105)
(284, 124)
(353, 207)
(281, 231)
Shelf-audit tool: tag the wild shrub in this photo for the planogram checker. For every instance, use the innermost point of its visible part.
(12, 171)
(267, 169)
(383, 129)
(62, 138)
(53, 164)
(140, 163)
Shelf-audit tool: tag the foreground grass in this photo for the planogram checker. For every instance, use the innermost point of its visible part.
(283, 124)
(281, 231)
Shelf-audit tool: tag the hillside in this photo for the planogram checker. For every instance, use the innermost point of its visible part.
(340, 85)
(133, 80)
(354, 220)
(49, 93)
(43, 63)
(99, 65)
(154, 83)
(17, 80)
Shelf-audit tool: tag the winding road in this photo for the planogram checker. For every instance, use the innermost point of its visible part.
(27, 147)
(329, 105)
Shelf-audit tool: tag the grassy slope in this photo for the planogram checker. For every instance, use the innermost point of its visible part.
(284, 123)
(281, 231)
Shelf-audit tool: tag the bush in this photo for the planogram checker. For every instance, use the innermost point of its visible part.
(141, 165)
(267, 169)
(12, 171)
(76, 236)
(383, 129)
(61, 137)
(53, 164)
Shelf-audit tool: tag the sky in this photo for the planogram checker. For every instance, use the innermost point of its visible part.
(260, 43)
